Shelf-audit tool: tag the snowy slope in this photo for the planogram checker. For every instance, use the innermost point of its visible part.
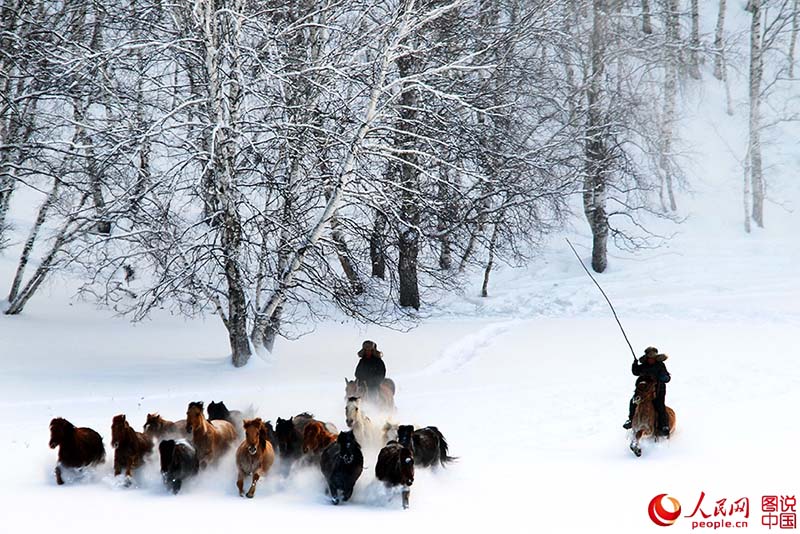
(530, 386)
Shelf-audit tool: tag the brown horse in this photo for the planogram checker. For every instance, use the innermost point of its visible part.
(383, 398)
(645, 415)
(130, 446)
(210, 438)
(157, 428)
(78, 447)
(254, 456)
(316, 437)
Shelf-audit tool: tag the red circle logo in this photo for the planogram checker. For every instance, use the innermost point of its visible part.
(660, 515)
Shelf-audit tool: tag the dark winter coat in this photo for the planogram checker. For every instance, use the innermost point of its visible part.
(657, 369)
(371, 370)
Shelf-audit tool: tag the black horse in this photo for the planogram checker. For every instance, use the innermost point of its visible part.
(178, 462)
(427, 444)
(395, 466)
(289, 436)
(218, 410)
(342, 463)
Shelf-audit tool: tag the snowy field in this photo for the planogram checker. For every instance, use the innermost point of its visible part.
(530, 386)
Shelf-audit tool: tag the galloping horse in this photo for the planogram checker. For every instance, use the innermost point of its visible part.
(645, 416)
(130, 447)
(156, 428)
(254, 456)
(383, 398)
(78, 446)
(210, 438)
(367, 433)
(316, 438)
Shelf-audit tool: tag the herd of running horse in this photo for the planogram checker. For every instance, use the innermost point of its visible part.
(188, 446)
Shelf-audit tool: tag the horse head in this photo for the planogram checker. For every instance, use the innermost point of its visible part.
(119, 426)
(645, 390)
(254, 434)
(194, 416)
(152, 424)
(60, 428)
(218, 410)
(284, 428)
(352, 411)
(405, 434)
(348, 446)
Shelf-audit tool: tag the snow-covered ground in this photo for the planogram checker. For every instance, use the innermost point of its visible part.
(530, 386)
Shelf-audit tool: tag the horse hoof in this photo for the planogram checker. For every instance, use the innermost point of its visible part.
(250, 494)
(334, 500)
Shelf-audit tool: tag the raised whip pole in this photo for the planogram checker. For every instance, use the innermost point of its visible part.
(604, 295)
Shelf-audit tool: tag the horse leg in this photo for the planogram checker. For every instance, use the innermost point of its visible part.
(128, 472)
(348, 493)
(240, 483)
(406, 495)
(117, 466)
(635, 447)
(334, 493)
(59, 480)
(176, 486)
(252, 491)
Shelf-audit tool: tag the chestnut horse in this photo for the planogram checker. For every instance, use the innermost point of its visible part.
(156, 428)
(645, 415)
(254, 456)
(383, 398)
(315, 438)
(78, 447)
(210, 438)
(395, 465)
(130, 446)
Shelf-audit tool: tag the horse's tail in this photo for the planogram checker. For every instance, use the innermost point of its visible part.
(390, 383)
(444, 458)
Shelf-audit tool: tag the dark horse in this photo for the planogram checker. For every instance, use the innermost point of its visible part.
(218, 411)
(289, 435)
(342, 464)
(156, 427)
(395, 466)
(178, 462)
(427, 444)
(79, 447)
(130, 446)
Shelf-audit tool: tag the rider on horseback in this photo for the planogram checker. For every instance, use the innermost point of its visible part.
(370, 369)
(652, 364)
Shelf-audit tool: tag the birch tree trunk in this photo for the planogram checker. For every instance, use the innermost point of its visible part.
(756, 73)
(594, 192)
(647, 25)
(694, 42)
(793, 36)
(377, 245)
(408, 231)
(719, 43)
(670, 94)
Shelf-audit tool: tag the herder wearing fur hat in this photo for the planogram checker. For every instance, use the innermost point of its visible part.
(652, 364)
(370, 369)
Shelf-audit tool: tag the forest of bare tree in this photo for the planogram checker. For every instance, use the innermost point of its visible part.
(268, 162)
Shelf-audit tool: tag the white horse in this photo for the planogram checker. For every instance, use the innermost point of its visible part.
(367, 433)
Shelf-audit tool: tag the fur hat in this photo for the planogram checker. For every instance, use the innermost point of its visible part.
(369, 345)
(652, 352)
